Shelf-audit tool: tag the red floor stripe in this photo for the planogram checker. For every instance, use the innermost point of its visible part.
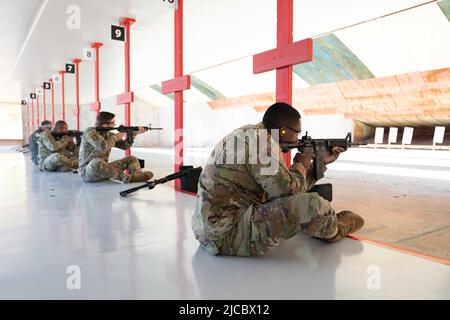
(401, 249)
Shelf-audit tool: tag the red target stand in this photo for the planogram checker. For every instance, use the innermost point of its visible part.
(28, 120)
(53, 101)
(37, 109)
(284, 56)
(76, 112)
(44, 102)
(96, 105)
(72, 68)
(63, 97)
(32, 96)
(177, 86)
(122, 33)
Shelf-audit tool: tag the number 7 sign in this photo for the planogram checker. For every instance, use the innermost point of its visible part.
(70, 68)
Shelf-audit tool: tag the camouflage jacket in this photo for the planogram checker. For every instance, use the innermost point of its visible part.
(95, 144)
(227, 189)
(34, 147)
(48, 145)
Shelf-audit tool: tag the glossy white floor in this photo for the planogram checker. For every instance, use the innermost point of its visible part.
(142, 247)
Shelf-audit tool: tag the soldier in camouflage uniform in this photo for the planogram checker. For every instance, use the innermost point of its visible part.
(94, 153)
(34, 148)
(54, 148)
(248, 206)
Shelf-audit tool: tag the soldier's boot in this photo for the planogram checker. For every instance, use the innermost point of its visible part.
(347, 222)
(63, 169)
(143, 176)
(71, 165)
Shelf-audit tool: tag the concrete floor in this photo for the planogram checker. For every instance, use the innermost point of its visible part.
(404, 195)
(143, 247)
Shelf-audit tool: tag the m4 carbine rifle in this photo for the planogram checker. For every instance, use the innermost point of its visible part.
(317, 148)
(71, 133)
(191, 174)
(130, 131)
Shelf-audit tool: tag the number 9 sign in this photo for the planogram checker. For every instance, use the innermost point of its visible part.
(117, 33)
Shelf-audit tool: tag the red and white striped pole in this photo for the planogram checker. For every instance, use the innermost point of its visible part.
(77, 92)
(53, 101)
(63, 96)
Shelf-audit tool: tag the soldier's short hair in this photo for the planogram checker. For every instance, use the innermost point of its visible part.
(104, 117)
(59, 124)
(280, 114)
(46, 123)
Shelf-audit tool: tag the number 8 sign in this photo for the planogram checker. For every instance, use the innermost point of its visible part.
(117, 33)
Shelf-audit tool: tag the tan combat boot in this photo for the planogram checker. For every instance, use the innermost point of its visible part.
(143, 176)
(347, 222)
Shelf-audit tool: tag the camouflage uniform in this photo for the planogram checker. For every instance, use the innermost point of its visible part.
(53, 153)
(34, 147)
(241, 211)
(94, 153)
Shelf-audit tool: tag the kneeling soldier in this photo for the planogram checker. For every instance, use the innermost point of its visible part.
(53, 148)
(247, 206)
(94, 153)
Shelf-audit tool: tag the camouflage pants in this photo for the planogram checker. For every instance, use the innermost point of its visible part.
(100, 170)
(262, 228)
(57, 160)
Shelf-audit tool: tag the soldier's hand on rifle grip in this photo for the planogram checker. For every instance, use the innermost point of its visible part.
(120, 135)
(331, 156)
(304, 158)
(141, 130)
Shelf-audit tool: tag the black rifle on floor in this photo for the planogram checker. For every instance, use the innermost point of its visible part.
(25, 148)
(130, 131)
(191, 174)
(71, 133)
(317, 147)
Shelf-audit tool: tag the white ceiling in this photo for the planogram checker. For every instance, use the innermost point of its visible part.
(215, 32)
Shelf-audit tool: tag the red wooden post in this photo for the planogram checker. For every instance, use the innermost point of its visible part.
(284, 56)
(179, 94)
(28, 122)
(178, 85)
(44, 103)
(97, 105)
(37, 111)
(127, 22)
(53, 101)
(63, 97)
(77, 92)
(32, 113)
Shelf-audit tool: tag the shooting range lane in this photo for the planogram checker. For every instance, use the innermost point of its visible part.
(143, 247)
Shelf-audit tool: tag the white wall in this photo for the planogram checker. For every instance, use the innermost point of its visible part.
(11, 121)
(326, 126)
(203, 126)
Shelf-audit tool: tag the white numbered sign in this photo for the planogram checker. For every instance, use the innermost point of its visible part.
(47, 86)
(33, 95)
(56, 78)
(39, 91)
(169, 3)
(88, 54)
(117, 33)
